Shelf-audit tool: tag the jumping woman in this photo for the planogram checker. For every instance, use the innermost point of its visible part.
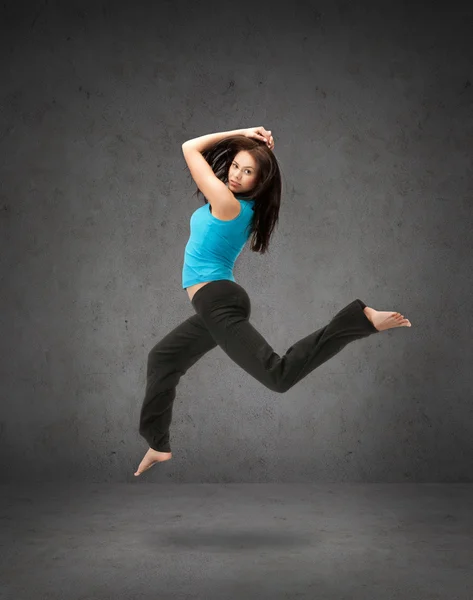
(238, 175)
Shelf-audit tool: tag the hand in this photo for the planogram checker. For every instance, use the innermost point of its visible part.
(260, 133)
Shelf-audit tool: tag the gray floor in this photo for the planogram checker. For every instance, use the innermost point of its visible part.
(225, 541)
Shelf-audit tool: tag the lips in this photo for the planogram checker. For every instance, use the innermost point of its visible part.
(234, 182)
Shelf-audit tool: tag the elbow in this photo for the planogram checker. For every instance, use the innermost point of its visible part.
(188, 146)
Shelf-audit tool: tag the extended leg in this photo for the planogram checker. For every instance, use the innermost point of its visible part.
(171, 358)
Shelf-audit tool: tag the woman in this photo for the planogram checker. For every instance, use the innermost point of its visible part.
(238, 174)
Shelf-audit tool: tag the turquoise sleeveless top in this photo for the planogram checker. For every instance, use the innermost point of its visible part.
(214, 245)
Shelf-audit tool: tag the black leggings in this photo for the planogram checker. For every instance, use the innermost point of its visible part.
(222, 319)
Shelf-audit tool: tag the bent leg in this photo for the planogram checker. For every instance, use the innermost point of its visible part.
(227, 318)
(248, 348)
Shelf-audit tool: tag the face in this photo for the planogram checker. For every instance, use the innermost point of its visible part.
(243, 171)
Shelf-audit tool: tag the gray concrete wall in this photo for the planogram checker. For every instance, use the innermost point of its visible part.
(370, 105)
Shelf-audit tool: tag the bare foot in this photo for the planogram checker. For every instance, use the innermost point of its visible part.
(383, 320)
(151, 458)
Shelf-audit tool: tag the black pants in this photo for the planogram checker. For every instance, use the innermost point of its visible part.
(222, 319)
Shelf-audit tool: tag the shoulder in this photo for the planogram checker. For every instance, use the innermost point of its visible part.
(228, 210)
(215, 191)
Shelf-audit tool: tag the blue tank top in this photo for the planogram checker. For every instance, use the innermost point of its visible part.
(214, 245)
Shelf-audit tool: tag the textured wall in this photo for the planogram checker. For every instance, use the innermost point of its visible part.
(370, 105)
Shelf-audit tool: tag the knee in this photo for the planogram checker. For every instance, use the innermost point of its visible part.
(280, 387)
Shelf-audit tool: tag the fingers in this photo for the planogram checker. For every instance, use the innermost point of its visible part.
(266, 137)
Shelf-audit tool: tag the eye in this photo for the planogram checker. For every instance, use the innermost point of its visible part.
(247, 170)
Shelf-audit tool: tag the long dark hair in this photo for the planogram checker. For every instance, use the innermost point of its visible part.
(266, 193)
